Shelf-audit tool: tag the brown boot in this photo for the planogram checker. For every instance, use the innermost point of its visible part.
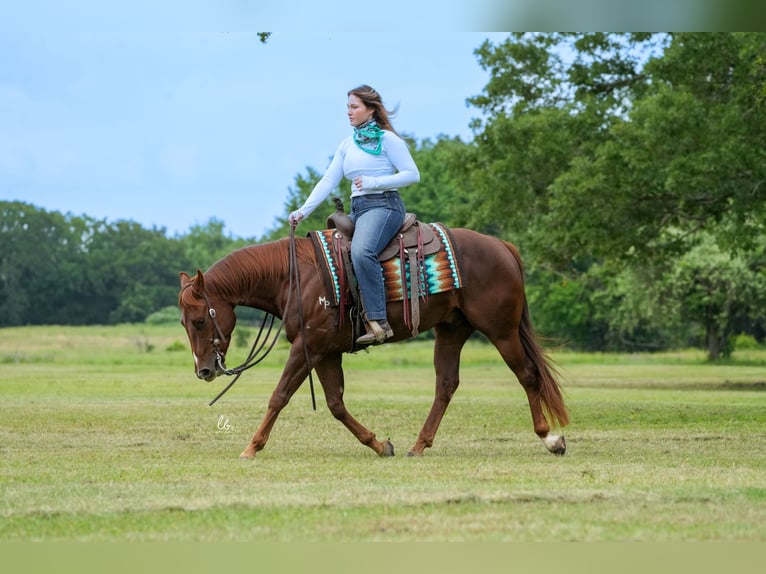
(377, 332)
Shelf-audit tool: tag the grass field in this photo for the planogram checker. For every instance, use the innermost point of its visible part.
(106, 435)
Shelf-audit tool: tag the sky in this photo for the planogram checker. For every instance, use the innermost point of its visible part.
(172, 128)
(170, 113)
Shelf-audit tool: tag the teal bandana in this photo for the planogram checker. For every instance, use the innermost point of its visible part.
(368, 137)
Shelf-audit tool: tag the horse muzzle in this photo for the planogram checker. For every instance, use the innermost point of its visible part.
(207, 374)
(210, 372)
(212, 368)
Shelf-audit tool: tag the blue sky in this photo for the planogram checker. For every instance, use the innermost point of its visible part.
(170, 112)
(169, 128)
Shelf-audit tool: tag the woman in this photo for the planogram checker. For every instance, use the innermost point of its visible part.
(378, 163)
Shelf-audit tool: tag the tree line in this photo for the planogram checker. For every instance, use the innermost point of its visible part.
(628, 168)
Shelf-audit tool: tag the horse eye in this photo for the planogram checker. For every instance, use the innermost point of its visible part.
(198, 323)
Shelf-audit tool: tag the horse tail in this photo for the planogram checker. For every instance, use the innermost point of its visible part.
(549, 388)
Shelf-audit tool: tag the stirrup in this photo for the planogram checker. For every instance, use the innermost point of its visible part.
(377, 332)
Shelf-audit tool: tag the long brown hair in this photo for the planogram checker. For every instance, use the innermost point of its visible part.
(371, 98)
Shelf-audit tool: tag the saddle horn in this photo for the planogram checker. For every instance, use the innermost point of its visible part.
(340, 219)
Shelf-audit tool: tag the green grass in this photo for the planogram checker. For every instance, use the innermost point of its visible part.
(106, 435)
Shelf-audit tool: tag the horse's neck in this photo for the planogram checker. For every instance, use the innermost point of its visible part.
(254, 276)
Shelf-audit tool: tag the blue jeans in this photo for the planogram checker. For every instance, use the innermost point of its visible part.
(377, 218)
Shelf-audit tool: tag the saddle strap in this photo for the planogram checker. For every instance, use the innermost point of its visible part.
(403, 273)
(414, 295)
(422, 265)
(346, 279)
(341, 260)
(411, 300)
(353, 284)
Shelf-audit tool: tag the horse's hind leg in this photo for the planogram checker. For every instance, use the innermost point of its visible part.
(448, 343)
(330, 371)
(512, 351)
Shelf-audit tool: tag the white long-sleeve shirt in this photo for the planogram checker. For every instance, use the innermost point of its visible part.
(391, 169)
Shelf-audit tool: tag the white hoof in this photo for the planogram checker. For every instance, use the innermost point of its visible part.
(555, 444)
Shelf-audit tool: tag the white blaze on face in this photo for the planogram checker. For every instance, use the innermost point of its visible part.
(196, 361)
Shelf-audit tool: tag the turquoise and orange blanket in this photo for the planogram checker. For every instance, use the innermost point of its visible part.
(439, 273)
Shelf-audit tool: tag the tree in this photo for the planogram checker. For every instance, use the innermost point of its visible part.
(629, 148)
(718, 292)
(130, 272)
(564, 311)
(40, 262)
(543, 112)
(612, 157)
(437, 197)
(688, 160)
(205, 244)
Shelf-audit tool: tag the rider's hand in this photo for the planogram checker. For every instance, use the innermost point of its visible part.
(295, 217)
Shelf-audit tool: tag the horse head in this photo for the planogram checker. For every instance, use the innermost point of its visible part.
(209, 321)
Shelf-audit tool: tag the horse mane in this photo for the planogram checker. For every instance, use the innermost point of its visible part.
(237, 272)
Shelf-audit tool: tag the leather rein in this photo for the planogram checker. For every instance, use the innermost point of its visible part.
(257, 352)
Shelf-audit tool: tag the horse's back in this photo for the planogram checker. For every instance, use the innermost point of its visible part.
(486, 256)
(493, 280)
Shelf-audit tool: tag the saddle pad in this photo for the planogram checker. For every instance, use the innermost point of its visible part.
(441, 271)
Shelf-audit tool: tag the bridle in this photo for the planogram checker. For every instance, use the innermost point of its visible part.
(255, 356)
(251, 360)
(257, 352)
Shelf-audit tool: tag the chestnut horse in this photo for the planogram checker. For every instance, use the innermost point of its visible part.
(491, 300)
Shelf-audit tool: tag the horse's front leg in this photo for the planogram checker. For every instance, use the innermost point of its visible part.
(295, 372)
(448, 343)
(330, 371)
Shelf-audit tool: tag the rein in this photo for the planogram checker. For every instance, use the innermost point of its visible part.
(294, 272)
(252, 357)
(251, 360)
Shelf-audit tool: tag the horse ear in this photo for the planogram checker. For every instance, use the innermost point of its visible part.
(184, 278)
(199, 283)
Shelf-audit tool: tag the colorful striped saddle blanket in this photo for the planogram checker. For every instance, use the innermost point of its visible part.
(411, 272)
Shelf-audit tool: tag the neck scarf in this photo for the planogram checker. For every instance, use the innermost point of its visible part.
(368, 136)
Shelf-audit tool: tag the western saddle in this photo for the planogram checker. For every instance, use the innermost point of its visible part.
(412, 243)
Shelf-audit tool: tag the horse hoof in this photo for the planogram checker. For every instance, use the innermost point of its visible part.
(246, 455)
(556, 444)
(412, 453)
(388, 448)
